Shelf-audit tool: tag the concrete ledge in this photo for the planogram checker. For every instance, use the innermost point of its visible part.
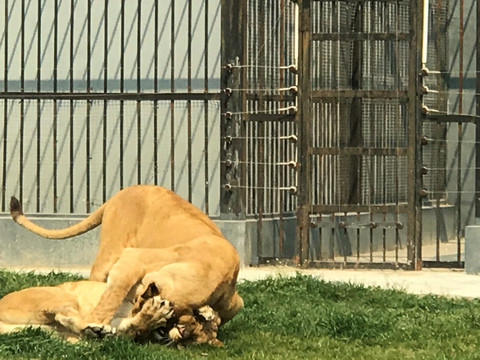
(472, 249)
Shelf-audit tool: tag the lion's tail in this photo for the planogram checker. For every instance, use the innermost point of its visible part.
(90, 222)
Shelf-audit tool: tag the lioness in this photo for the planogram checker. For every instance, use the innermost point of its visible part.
(65, 307)
(200, 272)
(139, 216)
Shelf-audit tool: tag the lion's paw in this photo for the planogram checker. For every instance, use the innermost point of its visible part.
(98, 331)
(175, 333)
(154, 314)
(156, 311)
(207, 313)
(157, 305)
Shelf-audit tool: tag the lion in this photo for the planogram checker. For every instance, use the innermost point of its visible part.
(152, 238)
(63, 309)
(139, 216)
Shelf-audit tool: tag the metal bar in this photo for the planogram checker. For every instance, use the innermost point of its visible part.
(260, 125)
(155, 103)
(172, 90)
(371, 239)
(233, 37)
(205, 112)
(5, 109)
(55, 114)
(189, 103)
(397, 138)
(281, 233)
(372, 175)
(266, 96)
(332, 264)
(87, 120)
(139, 104)
(414, 178)
(22, 105)
(477, 128)
(268, 117)
(444, 264)
(259, 233)
(360, 36)
(39, 107)
(320, 240)
(304, 120)
(453, 118)
(102, 96)
(331, 243)
(438, 127)
(355, 138)
(122, 89)
(105, 103)
(359, 151)
(72, 140)
(281, 147)
(459, 226)
(329, 95)
(270, 143)
(337, 208)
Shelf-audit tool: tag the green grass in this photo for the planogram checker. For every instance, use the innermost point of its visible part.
(291, 318)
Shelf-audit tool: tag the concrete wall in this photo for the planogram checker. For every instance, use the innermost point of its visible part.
(21, 248)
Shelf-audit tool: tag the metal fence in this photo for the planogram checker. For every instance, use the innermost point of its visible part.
(306, 111)
(98, 95)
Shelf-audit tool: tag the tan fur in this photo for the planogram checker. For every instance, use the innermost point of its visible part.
(47, 307)
(139, 216)
(64, 308)
(200, 328)
(202, 272)
(151, 236)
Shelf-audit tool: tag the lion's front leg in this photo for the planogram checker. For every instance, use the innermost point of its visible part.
(123, 277)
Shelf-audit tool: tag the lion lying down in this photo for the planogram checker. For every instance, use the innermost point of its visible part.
(64, 307)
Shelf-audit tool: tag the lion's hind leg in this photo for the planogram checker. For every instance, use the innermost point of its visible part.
(6, 328)
(231, 307)
(35, 306)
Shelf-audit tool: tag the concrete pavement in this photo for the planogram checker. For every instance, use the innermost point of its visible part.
(429, 281)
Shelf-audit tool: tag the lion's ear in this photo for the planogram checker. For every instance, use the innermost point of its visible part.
(151, 291)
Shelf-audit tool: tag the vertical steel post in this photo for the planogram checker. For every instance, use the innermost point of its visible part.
(233, 25)
(304, 126)
(477, 128)
(414, 232)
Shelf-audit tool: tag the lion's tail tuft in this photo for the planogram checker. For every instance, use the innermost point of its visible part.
(15, 208)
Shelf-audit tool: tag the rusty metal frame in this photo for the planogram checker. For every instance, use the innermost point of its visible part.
(413, 151)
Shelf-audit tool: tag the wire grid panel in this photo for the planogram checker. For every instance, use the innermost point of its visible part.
(359, 140)
(361, 47)
(271, 153)
(434, 154)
